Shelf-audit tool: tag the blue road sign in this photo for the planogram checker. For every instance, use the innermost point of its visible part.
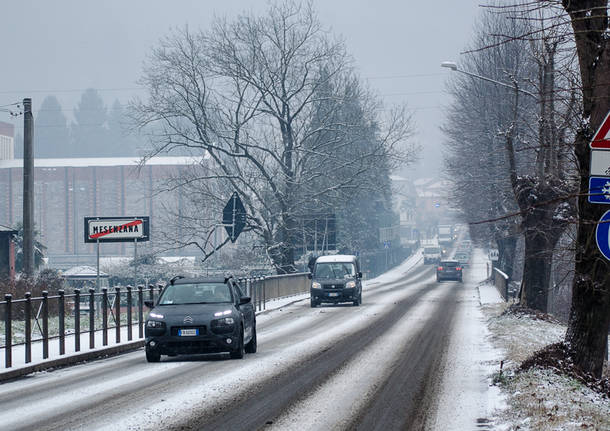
(602, 235)
(599, 190)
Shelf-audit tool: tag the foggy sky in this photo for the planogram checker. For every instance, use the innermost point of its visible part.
(62, 47)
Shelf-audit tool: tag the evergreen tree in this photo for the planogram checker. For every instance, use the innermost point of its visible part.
(51, 134)
(90, 130)
(121, 140)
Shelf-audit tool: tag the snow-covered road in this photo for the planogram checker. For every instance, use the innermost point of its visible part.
(392, 363)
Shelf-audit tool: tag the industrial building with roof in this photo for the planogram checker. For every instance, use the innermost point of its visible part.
(67, 190)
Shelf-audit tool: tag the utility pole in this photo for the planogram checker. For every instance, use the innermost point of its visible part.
(28, 188)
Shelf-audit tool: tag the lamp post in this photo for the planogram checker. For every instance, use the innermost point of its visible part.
(453, 66)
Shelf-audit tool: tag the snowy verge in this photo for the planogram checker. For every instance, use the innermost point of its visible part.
(539, 399)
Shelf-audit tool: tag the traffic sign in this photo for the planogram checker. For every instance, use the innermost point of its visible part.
(600, 163)
(234, 216)
(601, 139)
(602, 235)
(599, 190)
(117, 229)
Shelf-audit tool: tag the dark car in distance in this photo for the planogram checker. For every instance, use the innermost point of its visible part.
(336, 279)
(200, 315)
(449, 270)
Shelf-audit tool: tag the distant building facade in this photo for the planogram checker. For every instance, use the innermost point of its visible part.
(7, 141)
(67, 190)
(7, 253)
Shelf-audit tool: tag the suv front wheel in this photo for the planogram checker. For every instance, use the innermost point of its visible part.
(152, 356)
(240, 350)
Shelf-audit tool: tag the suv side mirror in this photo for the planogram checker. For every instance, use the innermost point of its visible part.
(309, 275)
(359, 274)
(149, 304)
(244, 300)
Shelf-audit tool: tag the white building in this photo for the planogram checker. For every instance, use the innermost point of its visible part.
(7, 141)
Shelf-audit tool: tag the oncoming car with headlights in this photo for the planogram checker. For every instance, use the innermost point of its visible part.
(200, 315)
(336, 279)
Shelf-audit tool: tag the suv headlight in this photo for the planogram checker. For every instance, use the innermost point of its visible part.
(350, 284)
(225, 325)
(316, 285)
(155, 324)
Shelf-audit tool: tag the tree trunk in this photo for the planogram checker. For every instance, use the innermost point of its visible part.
(536, 270)
(590, 313)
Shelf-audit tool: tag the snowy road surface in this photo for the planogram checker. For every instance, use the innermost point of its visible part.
(413, 356)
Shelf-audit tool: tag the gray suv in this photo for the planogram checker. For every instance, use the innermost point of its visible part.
(200, 315)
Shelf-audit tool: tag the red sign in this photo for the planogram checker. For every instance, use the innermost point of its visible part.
(601, 139)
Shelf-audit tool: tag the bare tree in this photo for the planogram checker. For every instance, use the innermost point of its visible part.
(525, 171)
(587, 334)
(270, 101)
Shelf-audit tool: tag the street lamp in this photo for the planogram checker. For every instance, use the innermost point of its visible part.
(453, 66)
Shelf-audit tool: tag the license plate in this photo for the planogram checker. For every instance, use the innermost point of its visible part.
(188, 332)
(333, 294)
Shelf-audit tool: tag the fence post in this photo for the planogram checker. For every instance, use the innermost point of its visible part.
(264, 294)
(77, 320)
(129, 333)
(140, 311)
(45, 324)
(28, 327)
(151, 292)
(117, 313)
(8, 336)
(62, 323)
(104, 316)
(91, 318)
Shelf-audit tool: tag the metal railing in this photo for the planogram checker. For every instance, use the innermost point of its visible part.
(263, 289)
(35, 321)
(32, 320)
(501, 283)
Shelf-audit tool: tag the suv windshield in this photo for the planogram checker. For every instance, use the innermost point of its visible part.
(432, 250)
(450, 264)
(335, 270)
(195, 293)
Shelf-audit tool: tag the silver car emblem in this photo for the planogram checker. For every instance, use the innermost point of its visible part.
(188, 319)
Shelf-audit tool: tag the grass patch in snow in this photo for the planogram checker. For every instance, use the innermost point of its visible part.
(537, 398)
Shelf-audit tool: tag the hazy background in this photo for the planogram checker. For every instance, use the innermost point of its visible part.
(63, 47)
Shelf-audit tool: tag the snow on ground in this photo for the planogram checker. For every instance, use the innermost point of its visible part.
(18, 352)
(467, 395)
(377, 359)
(398, 271)
(539, 399)
(213, 392)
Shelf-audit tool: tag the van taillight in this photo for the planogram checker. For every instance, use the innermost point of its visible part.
(440, 268)
(458, 268)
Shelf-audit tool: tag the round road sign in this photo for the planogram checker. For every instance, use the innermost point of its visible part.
(602, 235)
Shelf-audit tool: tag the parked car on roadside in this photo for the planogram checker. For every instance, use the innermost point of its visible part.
(201, 315)
(336, 279)
(449, 270)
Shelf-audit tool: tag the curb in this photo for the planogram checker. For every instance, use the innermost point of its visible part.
(71, 360)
